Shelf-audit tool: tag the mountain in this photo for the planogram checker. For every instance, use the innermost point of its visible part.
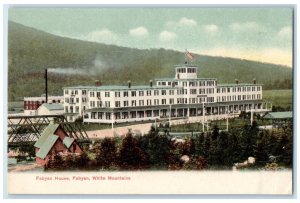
(30, 51)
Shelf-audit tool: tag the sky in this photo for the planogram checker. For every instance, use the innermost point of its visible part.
(261, 34)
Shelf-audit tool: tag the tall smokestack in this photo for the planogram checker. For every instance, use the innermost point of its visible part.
(46, 85)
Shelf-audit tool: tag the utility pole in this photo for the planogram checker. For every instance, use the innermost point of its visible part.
(227, 119)
(170, 116)
(251, 119)
(203, 117)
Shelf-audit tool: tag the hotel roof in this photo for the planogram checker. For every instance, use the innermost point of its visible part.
(239, 84)
(125, 87)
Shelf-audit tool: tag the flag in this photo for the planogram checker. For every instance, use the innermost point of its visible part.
(189, 55)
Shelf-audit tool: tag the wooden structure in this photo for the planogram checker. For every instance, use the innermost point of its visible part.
(29, 128)
(53, 141)
(280, 119)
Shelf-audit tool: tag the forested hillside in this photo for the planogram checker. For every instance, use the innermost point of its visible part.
(30, 51)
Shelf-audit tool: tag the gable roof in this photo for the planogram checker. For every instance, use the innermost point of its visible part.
(53, 107)
(279, 115)
(46, 147)
(68, 141)
(49, 130)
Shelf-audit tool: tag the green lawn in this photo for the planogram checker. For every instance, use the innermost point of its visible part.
(283, 98)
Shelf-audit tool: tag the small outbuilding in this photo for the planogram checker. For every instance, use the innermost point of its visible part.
(280, 119)
(54, 140)
(51, 109)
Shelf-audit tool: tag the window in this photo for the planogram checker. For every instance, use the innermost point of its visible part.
(117, 94)
(164, 92)
(92, 103)
(125, 103)
(91, 94)
(163, 101)
(83, 100)
(141, 102)
(99, 103)
(77, 100)
(156, 92)
(141, 93)
(83, 92)
(125, 94)
(106, 94)
(77, 109)
(66, 91)
(76, 92)
(171, 92)
(202, 91)
(156, 101)
(118, 104)
(148, 92)
(98, 94)
(210, 99)
(133, 103)
(171, 101)
(107, 104)
(148, 102)
(258, 88)
(193, 91)
(133, 93)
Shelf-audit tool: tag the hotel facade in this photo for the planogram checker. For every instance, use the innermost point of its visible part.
(183, 97)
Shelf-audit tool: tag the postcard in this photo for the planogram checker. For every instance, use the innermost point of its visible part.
(150, 100)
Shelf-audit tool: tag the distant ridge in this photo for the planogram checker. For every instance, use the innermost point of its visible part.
(30, 51)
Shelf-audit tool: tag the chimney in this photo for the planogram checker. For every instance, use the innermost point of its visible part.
(97, 83)
(236, 81)
(129, 84)
(151, 83)
(254, 81)
(46, 85)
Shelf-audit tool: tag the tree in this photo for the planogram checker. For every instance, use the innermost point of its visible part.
(131, 156)
(261, 149)
(107, 155)
(199, 144)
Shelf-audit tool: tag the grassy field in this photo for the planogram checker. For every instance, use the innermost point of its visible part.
(283, 98)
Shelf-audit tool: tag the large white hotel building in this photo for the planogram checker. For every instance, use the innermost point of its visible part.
(184, 96)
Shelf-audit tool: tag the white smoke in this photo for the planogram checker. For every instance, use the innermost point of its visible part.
(68, 71)
(99, 65)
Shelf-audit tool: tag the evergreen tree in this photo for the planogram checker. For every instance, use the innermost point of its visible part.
(107, 155)
(131, 156)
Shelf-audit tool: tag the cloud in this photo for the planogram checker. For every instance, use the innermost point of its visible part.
(187, 22)
(244, 27)
(103, 35)
(139, 32)
(211, 28)
(166, 36)
(267, 55)
(285, 32)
